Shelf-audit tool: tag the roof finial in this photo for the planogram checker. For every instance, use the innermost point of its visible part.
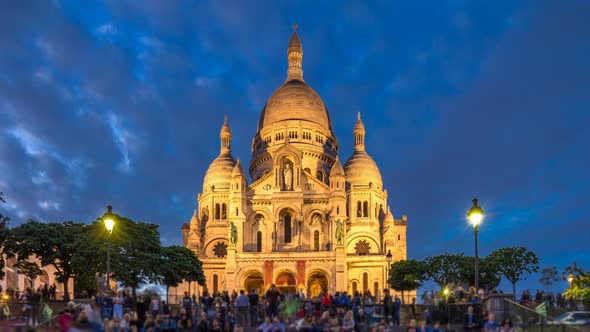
(358, 115)
(295, 57)
(225, 119)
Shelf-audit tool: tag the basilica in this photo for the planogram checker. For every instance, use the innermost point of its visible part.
(305, 222)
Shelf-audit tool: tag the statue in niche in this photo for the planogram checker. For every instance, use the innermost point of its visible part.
(233, 233)
(316, 219)
(339, 232)
(287, 176)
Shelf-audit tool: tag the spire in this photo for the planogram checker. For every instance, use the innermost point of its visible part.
(225, 135)
(238, 170)
(337, 168)
(359, 134)
(295, 56)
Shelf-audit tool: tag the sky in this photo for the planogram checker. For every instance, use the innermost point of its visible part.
(121, 102)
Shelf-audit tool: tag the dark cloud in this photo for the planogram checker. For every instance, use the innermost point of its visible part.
(121, 103)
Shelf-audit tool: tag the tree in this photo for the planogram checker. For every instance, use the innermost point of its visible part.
(548, 276)
(29, 269)
(135, 250)
(179, 264)
(580, 289)
(573, 270)
(444, 269)
(489, 277)
(406, 275)
(515, 263)
(4, 233)
(55, 244)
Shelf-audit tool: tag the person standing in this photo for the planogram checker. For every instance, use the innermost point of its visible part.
(118, 306)
(254, 299)
(397, 306)
(272, 300)
(387, 306)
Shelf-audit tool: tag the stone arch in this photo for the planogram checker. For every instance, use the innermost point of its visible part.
(354, 285)
(296, 210)
(371, 238)
(317, 280)
(252, 279)
(309, 213)
(286, 281)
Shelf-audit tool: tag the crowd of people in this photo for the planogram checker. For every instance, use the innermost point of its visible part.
(222, 311)
(268, 312)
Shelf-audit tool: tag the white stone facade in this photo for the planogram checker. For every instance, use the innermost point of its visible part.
(305, 223)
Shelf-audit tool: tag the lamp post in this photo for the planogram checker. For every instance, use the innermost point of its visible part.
(475, 216)
(446, 293)
(388, 258)
(570, 279)
(109, 223)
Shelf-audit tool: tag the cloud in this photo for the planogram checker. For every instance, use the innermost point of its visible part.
(106, 29)
(49, 205)
(123, 139)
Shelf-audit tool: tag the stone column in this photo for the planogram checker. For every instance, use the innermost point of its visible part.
(230, 269)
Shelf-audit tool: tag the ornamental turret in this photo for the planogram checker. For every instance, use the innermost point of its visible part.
(295, 55)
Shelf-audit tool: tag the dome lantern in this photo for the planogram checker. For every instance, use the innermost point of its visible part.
(359, 134)
(225, 136)
(295, 56)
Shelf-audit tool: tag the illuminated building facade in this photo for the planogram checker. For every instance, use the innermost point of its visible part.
(306, 222)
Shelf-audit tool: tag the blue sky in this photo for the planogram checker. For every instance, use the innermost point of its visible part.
(120, 102)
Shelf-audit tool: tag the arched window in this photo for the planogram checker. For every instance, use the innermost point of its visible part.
(215, 283)
(217, 211)
(259, 241)
(376, 288)
(237, 212)
(320, 175)
(316, 240)
(376, 210)
(223, 211)
(337, 210)
(365, 282)
(359, 209)
(354, 287)
(365, 209)
(399, 237)
(287, 221)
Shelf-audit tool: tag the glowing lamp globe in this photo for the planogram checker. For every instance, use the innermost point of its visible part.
(475, 214)
(109, 224)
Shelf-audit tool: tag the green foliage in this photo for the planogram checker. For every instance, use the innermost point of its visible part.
(179, 264)
(135, 250)
(29, 269)
(488, 273)
(574, 270)
(548, 276)
(55, 244)
(580, 289)
(515, 263)
(4, 233)
(406, 275)
(445, 269)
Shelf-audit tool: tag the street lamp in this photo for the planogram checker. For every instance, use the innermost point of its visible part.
(446, 293)
(109, 224)
(388, 258)
(475, 216)
(570, 279)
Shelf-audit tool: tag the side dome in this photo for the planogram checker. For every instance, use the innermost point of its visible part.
(220, 171)
(295, 100)
(361, 169)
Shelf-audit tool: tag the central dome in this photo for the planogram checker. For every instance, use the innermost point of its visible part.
(294, 100)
